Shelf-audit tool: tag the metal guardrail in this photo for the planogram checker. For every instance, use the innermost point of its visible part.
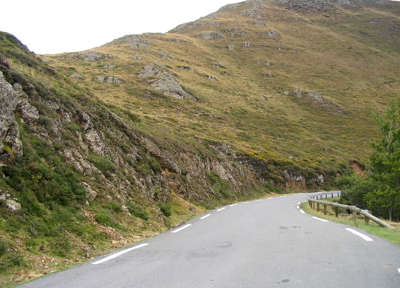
(315, 203)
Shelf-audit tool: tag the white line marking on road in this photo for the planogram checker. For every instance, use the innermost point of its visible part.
(181, 228)
(320, 219)
(220, 209)
(302, 211)
(398, 270)
(205, 216)
(365, 237)
(233, 205)
(298, 207)
(298, 203)
(119, 253)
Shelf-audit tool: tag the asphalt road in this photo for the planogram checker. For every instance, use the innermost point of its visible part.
(263, 243)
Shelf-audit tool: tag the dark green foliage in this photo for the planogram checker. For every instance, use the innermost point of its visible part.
(137, 210)
(104, 217)
(11, 260)
(221, 187)
(114, 206)
(103, 164)
(143, 167)
(3, 247)
(165, 208)
(61, 246)
(41, 176)
(380, 190)
(356, 190)
(73, 127)
(155, 165)
(132, 116)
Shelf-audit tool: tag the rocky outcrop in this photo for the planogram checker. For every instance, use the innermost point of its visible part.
(165, 82)
(210, 35)
(135, 41)
(10, 143)
(76, 76)
(11, 204)
(164, 55)
(92, 56)
(314, 98)
(108, 79)
(273, 35)
(255, 10)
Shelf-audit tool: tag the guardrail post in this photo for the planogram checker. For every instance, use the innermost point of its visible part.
(366, 219)
(337, 211)
(325, 206)
(354, 213)
(317, 206)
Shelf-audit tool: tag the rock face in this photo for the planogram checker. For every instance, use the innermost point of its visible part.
(315, 98)
(255, 11)
(166, 83)
(274, 35)
(77, 76)
(135, 41)
(10, 143)
(12, 100)
(108, 79)
(211, 35)
(93, 56)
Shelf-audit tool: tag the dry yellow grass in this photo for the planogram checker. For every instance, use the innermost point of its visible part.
(248, 109)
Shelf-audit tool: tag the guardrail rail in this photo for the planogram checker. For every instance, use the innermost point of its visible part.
(315, 203)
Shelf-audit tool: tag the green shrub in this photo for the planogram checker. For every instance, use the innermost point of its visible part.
(11, 260)
(137, 211)
(114, 206)
(165, 209)
(155, 165)
(220, 186)
(103, 217)
(103, 164)
(73, 127)
(132, 116)
(3, 247)
(60, 246)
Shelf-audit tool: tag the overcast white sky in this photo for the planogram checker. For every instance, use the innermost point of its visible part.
(54, 26)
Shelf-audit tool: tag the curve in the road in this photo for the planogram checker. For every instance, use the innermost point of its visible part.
(264, 243)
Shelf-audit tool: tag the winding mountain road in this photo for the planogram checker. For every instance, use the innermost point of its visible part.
(263, 243)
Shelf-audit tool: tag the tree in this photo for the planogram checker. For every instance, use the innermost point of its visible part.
(385, 166)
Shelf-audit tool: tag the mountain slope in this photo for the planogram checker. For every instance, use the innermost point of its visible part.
(294, 80)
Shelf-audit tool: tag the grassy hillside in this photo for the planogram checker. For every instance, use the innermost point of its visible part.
(247, 65)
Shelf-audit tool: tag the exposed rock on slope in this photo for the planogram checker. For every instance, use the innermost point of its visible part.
(165, 82)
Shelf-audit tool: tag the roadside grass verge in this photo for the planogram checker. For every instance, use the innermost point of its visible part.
(372, 228)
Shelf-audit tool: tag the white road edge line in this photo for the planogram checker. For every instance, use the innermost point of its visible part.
(205, 216)
(220, 209)
(119, 253)
(181, 228)
(298, 207)
(365, 237)
(398, 270)
(302, 211)
(320, 219)
(233, 205)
